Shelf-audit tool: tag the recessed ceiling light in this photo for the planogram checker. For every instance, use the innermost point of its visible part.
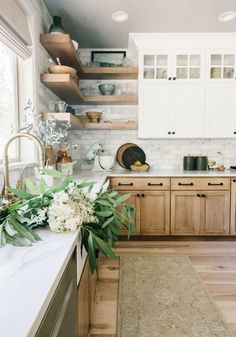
(227, 16)
(120, 16)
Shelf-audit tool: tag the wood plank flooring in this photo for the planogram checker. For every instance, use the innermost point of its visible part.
(215, 263)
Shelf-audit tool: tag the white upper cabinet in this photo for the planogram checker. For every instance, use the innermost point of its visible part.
(187, 86)
(171, 95)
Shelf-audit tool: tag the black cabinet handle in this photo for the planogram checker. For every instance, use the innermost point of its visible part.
(142, 195)
(173, 133)
(198, 195)
(174, 78)
(211, 184)
(234, 132)
(170, 78)
(121, 184)
(189, 184)
(234, 180)
(138, 195)
(203, 195)
(169, 132)
(150, 184)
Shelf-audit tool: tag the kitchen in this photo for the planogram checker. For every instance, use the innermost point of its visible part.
(172, 108)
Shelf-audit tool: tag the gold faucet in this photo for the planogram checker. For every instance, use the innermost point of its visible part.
(6, 187)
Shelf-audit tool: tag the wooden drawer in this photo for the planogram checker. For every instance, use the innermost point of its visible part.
(129, 183)
(200, 183)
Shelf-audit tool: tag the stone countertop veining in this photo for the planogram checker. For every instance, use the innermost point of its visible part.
(29, 275)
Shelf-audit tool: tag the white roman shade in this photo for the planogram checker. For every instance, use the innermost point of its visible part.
(14, 28)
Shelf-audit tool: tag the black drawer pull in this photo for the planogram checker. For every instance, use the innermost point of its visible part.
(234, 180)
(189, 184)
(138, 195)
(150, 184)
(199, 195)
(121, 184)
(142, 195)
(203, 195)
(212, 184)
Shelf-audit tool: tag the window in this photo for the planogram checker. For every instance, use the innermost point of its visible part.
(8, 99)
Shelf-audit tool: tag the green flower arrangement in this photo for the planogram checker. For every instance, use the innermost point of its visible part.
(64, 207)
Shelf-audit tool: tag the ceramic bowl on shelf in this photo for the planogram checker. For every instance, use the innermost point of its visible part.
(107, 89)
(94, 116)
(56, 69)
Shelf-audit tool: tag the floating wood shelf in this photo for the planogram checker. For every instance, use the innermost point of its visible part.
(60, 45)
(82, 122)
(67, 88)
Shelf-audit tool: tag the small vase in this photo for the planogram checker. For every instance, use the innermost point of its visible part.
(49, 155)
(56, 27)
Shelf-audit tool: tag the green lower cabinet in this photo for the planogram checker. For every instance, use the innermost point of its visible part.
(60, 319)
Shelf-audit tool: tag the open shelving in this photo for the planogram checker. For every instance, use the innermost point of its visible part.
(60, 45)
(82, 122)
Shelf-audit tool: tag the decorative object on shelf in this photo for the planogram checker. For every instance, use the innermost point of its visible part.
(139, 167)
(59, 69)
(67, 207)
(62, 106)
(75, 44)
(108, 58)
(107, 89)
(56, 27)
(94, 116)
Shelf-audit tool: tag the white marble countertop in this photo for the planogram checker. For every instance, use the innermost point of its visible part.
(30, 275)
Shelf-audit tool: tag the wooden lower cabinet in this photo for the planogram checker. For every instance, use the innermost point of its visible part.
(152, 212)
(200, 212)
(185, 213)
(155, 213)
(83, 299)
(215, 213)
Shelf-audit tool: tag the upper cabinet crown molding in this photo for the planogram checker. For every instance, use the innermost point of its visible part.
(179, 40)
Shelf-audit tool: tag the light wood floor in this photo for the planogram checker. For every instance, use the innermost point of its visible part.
(215, 262)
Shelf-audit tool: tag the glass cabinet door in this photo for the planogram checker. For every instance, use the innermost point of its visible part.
(222, 66)
(155, 66)
(188, 66)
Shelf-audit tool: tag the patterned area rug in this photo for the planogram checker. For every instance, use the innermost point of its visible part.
(162, 296)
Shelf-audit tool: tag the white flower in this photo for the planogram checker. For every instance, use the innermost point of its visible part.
(70, 209)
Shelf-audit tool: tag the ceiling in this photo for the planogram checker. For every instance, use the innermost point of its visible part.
(90, 23)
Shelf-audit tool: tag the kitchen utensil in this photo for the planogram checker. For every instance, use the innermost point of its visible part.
(59, 69)
(107, 89)
(201, 163)
(94, 116)
(128, 154)
(189, 163)
(106, 162)
(120, 152)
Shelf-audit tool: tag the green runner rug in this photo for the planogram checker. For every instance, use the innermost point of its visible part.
(163, 296)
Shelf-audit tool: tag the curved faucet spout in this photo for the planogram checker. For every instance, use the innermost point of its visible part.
(6, 186)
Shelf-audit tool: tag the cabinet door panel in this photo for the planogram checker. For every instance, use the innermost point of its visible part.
(155, 210)
(220, 110)
(185, 213)
(155, 110)
(133, 200)
(215, 213)
(83, 303)
(189, 108)
(233, 207)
